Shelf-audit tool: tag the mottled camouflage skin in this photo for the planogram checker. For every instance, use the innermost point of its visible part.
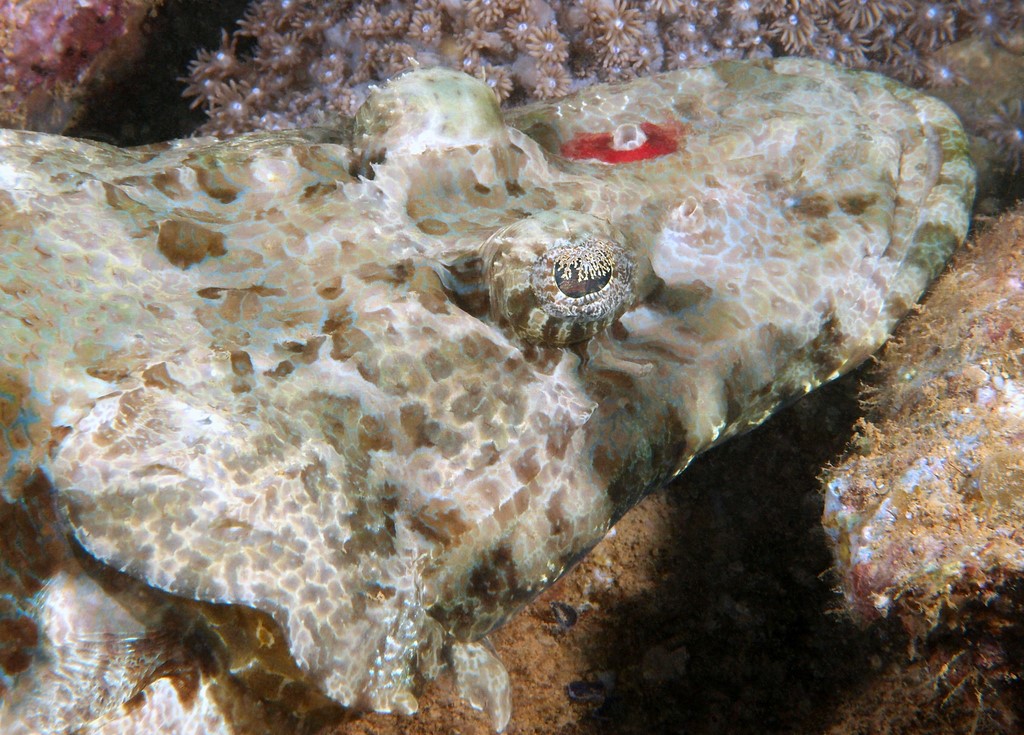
(311, 373)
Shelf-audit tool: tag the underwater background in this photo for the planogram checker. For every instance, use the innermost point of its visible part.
(721, 604)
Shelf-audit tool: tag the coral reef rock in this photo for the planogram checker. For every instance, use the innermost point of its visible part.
(356, 395)
(926, 515)
(54, 54)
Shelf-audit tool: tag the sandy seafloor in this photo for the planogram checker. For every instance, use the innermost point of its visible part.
(710, 609)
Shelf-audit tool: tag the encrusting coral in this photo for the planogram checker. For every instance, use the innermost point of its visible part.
(291, 63)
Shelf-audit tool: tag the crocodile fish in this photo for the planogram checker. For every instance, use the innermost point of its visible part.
(294, 420)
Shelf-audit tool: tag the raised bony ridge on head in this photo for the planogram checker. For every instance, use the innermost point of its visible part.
(559, 277)
(428, 109)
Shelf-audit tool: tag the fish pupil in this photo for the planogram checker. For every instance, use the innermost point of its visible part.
(577, 277)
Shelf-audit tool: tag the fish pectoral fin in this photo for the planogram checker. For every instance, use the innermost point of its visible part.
(482, 680)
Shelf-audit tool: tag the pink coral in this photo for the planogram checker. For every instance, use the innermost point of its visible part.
(51, 49)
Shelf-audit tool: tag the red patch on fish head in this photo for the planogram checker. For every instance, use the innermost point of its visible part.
(627, 143)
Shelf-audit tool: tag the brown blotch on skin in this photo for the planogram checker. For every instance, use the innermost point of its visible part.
(495, 576)
(437, 364)
(314, 476)
(928, 233)
(481, 196)
(526, 466)
(822, 233)
(167, 183)
(467, 269)
(771, 182)
(186, 686)
(440, 523)
(396, 273)
(514, 189)
(135, 703)
(203, 215)
(330, 290)
(488, 454)
(542, 359)
(556, 515)
(18, 637)
(427, 432)
(557, 442)
(214, 183)
(160, 311)
(157, 376)
(292, 232)
(476, 347)
(419, 207)
(373, 524)
(505, 514)
(323, 158)
(471, 404)
(57, 435)
(432, 226)
(215, 292)
(822, 349)
(813, 205)
(184, 243)
(429, 292)
(305, 352)
(109, 373)
(33, 548)
(117, 199)
(542, 199)
(151, 151)
(413, 419)
(336, 414)
(545, 135)
(281, 370)
(374, 434)
(346, 340)
(319, 189)
(369, 371)
(856, 204)
(735, 388)
(12, 394)
(241, 363)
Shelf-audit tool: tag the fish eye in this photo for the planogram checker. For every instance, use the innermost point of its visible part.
(559, 277)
